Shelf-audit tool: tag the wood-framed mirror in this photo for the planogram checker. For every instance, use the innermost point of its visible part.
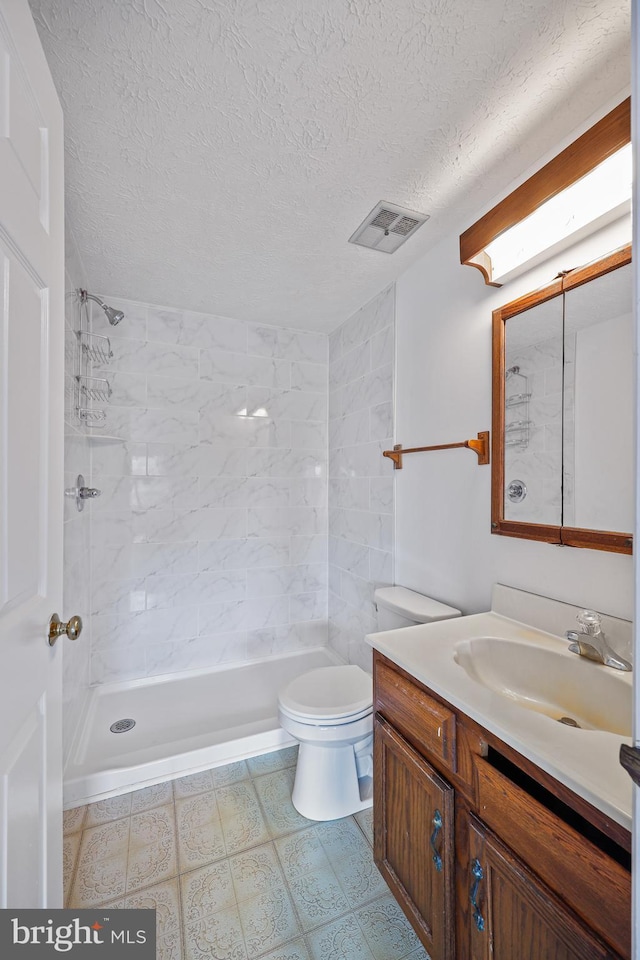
(563, 401)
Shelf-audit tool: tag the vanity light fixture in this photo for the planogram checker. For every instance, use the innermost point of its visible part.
(583, 188)
(600, 197)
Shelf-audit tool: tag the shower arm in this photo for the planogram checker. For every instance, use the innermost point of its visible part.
(84, 296)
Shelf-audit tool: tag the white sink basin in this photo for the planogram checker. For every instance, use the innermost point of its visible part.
(556, 683)
(510, 672)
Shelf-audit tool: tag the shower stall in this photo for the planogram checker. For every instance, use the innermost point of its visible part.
(200, 562)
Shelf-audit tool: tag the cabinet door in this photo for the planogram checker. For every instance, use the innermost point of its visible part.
(413, 838)
(511, 914)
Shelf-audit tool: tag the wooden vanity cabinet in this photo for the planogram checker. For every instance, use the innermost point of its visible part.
(413, 838)
(523, 874)
(515, 915)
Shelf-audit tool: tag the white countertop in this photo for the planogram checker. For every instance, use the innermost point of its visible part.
(586, 761)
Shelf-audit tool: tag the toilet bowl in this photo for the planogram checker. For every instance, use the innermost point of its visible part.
(329, 711)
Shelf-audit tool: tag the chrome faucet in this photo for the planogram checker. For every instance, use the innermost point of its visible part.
(591, 642)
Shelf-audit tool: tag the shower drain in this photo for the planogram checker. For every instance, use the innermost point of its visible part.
(121, 726)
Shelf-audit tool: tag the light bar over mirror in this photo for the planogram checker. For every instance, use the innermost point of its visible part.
(585, 187)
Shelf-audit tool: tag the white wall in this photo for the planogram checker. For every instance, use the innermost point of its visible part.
(444, 546)
(209, 539)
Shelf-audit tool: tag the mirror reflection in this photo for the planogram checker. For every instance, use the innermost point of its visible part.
(563, 410)
(533, 415)
(598, 404)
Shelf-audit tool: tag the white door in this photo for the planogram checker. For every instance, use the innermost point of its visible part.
(31, 472)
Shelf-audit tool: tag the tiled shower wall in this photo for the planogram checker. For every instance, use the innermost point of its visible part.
(538, 461)
(209, 542)
(76, 582)
(361, 486)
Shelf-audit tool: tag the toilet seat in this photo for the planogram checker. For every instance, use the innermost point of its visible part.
(303, 719)
(328, 696)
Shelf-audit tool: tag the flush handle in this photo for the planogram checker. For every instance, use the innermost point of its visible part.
(72, 628)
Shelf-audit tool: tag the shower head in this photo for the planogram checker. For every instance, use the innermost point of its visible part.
(512, 372)
(113, 316)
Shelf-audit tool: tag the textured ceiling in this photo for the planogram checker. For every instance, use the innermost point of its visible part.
(220, 152)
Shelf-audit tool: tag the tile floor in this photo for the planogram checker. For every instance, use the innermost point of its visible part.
(234, 872)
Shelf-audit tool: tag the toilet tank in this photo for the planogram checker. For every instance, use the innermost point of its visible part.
(400, 607)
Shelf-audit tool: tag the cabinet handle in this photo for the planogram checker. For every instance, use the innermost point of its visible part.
(437, 827)
(478, 875)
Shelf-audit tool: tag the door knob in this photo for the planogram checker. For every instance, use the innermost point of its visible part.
(73, 628)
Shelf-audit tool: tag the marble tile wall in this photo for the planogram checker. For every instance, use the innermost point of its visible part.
(361, 484)
(210, 537)
(538, 460)
(76, 563)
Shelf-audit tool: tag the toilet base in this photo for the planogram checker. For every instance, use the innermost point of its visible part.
(326, 785)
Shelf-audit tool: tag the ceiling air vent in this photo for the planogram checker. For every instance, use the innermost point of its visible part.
(387, 227)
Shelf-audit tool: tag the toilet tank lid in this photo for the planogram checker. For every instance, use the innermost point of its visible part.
(414, 606)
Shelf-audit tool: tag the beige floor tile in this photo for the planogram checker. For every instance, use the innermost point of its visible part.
(105, 810)
(255, 872)
(236, 798)
(301, 853)
(342, 838)
(386, 930)
(70, 850)
(73, 820)
(164, 898)
(318, 898)
(291, 951)
(152, 826)
(200, 837)
(243, 824)
(199, 851)
(274, 791)
(268, 921)
(99, 881)
(169, 948)
(341, 940)
(113, 905)
(195, 811)
(365, 821)
(359, 878)
(230, 773)
(107, 840)
(218, 937)
(150, 797)
(269, 762)
(206, 891)
(152, 863)
(193, 784)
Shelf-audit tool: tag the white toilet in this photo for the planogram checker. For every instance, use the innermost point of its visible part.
(330, 712)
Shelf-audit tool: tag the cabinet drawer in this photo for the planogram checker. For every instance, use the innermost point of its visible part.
(427, 724)
(559, 853)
